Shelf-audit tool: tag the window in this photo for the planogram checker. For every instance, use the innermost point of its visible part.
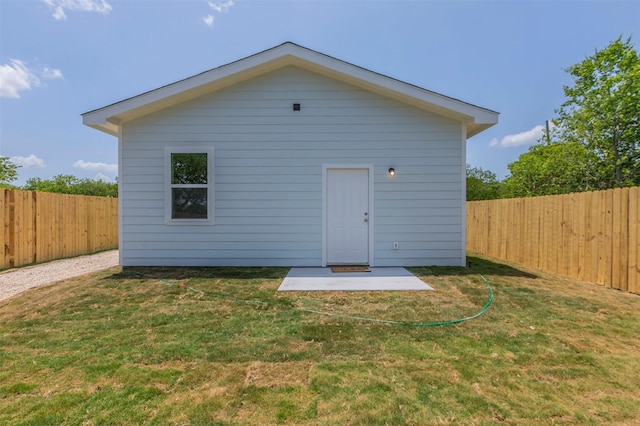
(189, 186)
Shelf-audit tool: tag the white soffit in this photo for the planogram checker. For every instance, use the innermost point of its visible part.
(108, 118)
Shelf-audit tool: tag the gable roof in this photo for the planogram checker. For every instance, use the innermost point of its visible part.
(108, 119)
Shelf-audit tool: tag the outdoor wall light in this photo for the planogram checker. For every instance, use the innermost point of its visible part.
(392, 171)
(296, 107)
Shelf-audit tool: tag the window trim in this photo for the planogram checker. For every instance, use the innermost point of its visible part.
(168, 193)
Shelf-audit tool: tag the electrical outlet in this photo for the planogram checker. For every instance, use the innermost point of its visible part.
(395, 245)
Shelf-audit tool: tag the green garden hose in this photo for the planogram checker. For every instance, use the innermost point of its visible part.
(330, 314)
(411, 324)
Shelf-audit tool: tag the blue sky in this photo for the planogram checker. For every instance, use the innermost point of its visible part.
(60, 58)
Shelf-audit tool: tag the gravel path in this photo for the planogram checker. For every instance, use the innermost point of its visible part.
(15, 281)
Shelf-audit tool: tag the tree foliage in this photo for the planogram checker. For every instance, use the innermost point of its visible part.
(596, 138)
(482, 184)
(547, 169)
(69, 184)
(602, 113)
(189, 168)
(8, 172)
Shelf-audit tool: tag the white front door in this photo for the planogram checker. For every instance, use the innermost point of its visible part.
(347, 216)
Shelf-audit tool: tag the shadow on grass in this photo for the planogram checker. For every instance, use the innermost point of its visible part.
(475, 265)
(186, 272)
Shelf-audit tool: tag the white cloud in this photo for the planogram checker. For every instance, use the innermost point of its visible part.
(221, 7)
(218, 7)
(528, 137)
(104, 178)
(16, 77)
(58, 7)
(30, 161)
(208, 20)
(99, 167)
(52, 73)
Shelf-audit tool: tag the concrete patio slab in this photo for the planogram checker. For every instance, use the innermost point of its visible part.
(379, 279)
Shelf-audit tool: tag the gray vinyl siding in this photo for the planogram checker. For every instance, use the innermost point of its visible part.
(268, 175)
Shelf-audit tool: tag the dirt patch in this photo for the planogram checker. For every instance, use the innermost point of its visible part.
(271, 375)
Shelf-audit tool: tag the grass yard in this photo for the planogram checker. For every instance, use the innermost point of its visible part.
(121, 348)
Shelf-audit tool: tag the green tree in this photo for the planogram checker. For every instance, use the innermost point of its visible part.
(595, 143)
(549, 168)
(602, 113)
(8, 172)
(69, 184)
(482, 184)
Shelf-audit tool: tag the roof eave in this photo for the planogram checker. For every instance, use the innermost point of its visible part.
(108, 118)
(103, 126)
(475, 128)
(178, 92)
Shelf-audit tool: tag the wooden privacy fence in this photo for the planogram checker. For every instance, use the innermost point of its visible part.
(590, 236)
(40, 226)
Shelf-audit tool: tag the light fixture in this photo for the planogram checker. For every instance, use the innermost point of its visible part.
(392, 171)
(296, 107)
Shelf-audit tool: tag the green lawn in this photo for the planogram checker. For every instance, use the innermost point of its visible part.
(122, 348)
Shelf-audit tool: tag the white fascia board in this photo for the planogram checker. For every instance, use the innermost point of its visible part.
(405, 92)
(107, 119)
(476, 118)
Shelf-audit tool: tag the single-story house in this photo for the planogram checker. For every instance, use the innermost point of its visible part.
(290, 157)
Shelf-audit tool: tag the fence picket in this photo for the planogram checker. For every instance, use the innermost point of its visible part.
(623, 241)
(591, 236)
(4, 234)
(634, 240)
(39, 226)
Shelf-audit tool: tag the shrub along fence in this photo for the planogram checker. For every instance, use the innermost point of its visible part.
(41, 226)
(589, 236)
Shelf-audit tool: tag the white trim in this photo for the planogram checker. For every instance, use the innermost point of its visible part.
(109, 118)
(463, 206)
(120, 201)
(168, 150)
(370, 168)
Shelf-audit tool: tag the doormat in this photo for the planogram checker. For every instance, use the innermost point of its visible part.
(350, 269)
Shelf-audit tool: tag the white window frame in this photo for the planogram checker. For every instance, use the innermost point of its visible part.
(169, 186)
